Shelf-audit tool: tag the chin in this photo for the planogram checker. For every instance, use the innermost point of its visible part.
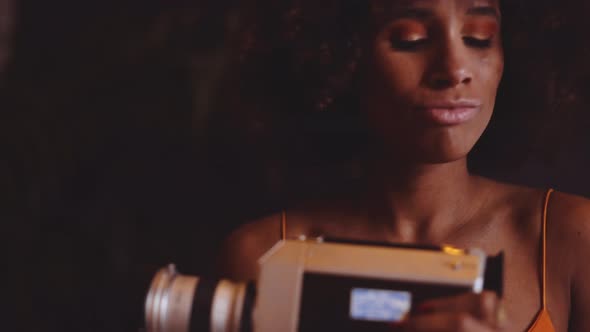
(442, 148)
(440, 157)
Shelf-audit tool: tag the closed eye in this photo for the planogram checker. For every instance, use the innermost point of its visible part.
(477, 42)
(408, 45)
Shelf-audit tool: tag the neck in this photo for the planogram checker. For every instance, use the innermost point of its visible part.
(423, 203)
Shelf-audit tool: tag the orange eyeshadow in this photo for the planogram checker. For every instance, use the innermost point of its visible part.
(408, 30)
(481, 29)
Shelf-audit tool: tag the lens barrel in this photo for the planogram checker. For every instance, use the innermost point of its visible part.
(181, 303)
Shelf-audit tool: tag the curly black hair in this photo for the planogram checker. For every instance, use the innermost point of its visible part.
(294, 80)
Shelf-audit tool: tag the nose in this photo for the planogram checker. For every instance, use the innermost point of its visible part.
(449, 67)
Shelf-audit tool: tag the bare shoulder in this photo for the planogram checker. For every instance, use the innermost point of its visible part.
(242, 248)
(575, 208)
(568, 216)
(569, 236)
(518, 204)
(568, 219)
(568, 245)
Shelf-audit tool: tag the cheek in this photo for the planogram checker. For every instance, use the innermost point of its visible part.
(396, 74)
(393, 82)
(493, 69)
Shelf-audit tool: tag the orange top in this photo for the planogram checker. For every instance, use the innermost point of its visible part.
(283, 231)
(542, 322)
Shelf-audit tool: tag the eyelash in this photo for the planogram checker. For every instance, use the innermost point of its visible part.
(478, 43)
(414, 45)
(407, 45)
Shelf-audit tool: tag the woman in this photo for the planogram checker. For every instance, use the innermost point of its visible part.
(424, 75)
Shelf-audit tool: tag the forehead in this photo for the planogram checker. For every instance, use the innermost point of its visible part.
(387, 8)
(384, 11)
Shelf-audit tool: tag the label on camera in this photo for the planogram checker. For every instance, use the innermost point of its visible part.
(379, 305)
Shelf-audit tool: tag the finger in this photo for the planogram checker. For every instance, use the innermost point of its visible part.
(446, 322)
(485, 306)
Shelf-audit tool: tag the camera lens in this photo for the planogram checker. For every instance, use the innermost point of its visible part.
(181, 303)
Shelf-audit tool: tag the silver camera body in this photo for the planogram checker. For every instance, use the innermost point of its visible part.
(317, 285)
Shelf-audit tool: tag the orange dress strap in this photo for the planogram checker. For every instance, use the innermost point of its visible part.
(283, 228)
(543, 321)
(544, 262)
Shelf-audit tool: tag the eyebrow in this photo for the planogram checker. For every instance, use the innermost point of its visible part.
(488, 11)
(412, 12)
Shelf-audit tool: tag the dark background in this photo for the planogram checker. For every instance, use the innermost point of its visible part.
(107, 168)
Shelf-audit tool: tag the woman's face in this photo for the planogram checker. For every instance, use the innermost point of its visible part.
(431, 78)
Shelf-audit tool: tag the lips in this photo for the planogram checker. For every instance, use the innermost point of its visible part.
(449, 113)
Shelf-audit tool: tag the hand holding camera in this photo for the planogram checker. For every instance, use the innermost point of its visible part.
(466, 312)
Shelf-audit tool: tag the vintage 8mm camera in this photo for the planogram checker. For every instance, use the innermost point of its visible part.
(321, 285)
